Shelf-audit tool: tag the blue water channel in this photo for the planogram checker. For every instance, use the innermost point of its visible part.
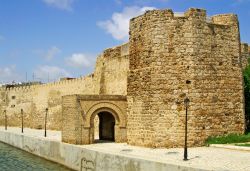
(13, 159)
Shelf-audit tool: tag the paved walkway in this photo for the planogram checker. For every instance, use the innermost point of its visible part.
(52, 135)
(210, 158)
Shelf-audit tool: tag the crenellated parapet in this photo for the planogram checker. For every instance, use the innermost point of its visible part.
(65, 83)
(34, 99)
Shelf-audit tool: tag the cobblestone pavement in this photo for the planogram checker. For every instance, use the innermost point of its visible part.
(210, 158)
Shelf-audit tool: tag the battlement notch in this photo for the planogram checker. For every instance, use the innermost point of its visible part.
(196, 13)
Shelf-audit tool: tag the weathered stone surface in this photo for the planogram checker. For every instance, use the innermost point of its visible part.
(176, 57)
(109, 77)
(79, 112)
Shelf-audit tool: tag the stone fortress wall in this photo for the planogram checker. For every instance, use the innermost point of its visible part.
(35, 99)
(109, 77)
(168, 57)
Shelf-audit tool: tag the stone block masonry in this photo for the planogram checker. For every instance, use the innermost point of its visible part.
(176, 57)
(109, 77)
(36, 98)
(79, 112)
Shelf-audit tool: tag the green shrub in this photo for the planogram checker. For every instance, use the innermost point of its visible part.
(228, 139)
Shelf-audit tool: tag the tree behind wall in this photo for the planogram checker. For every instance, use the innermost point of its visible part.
(247, 95)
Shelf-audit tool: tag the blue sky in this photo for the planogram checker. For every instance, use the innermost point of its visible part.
(58, 38)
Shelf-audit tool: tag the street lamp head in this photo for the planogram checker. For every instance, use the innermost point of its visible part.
(186, 101)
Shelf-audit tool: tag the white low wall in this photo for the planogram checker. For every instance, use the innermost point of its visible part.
(80, 158)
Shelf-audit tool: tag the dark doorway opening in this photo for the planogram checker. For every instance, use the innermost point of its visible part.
(106, 126)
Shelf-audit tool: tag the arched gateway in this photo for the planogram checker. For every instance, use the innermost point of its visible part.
(78, 118)
(111, 121)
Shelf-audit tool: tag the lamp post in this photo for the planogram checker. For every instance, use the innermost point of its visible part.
(5, 119)
(186, 103)
(46, 113)
(22, 118)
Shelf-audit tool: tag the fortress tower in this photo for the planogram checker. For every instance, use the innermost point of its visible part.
(173, 57)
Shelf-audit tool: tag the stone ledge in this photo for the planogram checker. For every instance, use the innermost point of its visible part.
(230, 146)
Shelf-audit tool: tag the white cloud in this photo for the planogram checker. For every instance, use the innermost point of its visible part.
(60, 4)
(79, 60)
(52, 52)
(47, 54)
(9, 74)
(42, 73)
(118, 25)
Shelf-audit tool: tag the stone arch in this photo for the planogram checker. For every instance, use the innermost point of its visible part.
(117, 113)
(105, 107)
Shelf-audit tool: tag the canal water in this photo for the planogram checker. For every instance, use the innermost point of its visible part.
(13, 159)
